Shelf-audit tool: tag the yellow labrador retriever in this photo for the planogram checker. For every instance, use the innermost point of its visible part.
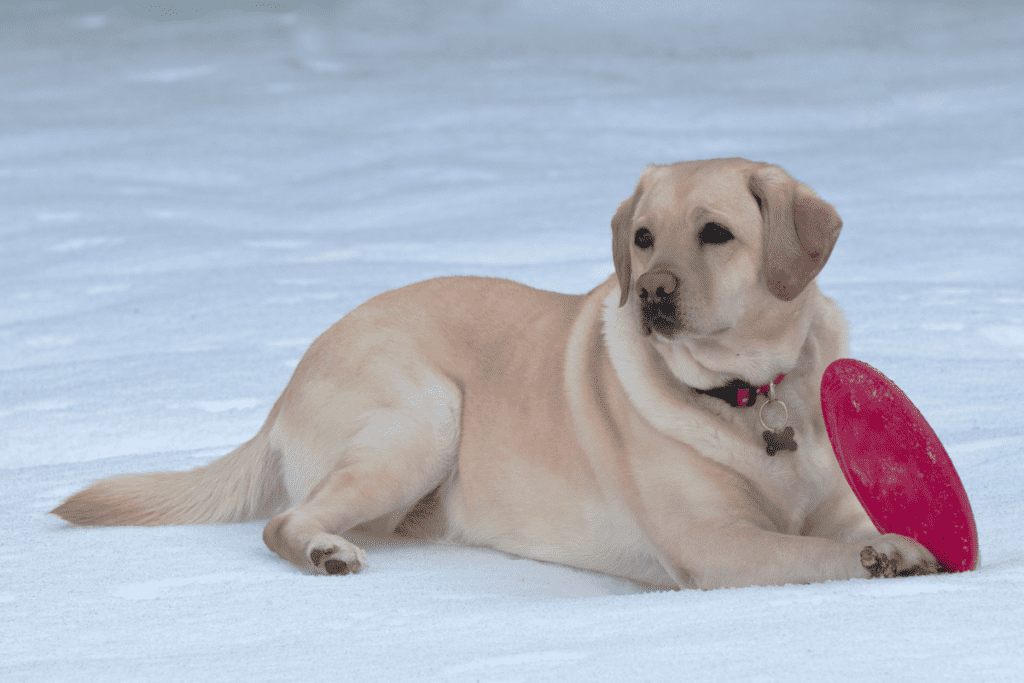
(665, 427)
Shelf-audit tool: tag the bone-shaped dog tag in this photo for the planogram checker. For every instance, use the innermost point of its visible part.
(781, 440)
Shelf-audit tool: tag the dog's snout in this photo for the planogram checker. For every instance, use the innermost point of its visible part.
(656, 285)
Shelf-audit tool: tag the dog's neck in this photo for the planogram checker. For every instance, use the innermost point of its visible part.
(654, 390)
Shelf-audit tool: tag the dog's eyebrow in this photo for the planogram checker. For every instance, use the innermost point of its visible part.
(703, 214)
(643, 220)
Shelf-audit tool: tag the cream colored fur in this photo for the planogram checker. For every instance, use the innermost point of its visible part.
(564, 428)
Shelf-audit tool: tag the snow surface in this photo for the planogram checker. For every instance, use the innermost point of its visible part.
(185, 205)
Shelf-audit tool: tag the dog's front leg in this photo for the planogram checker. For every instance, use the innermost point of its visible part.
(735, 554)
(716, 530)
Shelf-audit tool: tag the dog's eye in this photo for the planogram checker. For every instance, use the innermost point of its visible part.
(643, 238)
(713, 233)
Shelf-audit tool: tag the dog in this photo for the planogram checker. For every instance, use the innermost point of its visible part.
(665, 427)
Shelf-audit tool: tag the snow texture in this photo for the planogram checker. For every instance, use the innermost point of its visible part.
(186, 204)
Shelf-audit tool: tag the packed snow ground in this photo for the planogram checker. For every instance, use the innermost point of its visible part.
(185, 205)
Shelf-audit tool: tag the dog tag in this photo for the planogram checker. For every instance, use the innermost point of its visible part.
(781, 440)
(896, 465)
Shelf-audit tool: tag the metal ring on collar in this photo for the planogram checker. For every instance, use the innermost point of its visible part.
(785, 419)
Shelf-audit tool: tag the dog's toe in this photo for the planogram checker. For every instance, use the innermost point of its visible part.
(878, 564)
(335, 556)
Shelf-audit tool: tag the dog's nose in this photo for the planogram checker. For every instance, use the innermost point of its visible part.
(656, 285)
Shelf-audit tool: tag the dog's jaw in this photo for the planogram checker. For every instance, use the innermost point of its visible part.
(751, 350)
(703, 363)
(683, 358)
(620, 332)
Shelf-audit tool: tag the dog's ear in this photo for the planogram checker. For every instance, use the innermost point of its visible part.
(622, 235)
(800, 228)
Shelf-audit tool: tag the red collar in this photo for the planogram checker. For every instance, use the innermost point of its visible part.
(738, 393)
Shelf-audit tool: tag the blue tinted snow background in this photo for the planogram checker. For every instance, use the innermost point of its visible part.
(185, 205)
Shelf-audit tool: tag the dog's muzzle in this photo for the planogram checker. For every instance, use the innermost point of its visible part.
(659, 296)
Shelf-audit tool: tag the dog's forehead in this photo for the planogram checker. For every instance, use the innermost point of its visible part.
(693, 190)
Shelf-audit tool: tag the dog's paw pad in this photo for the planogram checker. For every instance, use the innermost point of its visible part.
(316, 555)
(336, 567)
(337, 558)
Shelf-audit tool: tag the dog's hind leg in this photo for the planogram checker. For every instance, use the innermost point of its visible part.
(398, 455)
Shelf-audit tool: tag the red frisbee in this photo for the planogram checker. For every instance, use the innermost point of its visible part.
(896, 465)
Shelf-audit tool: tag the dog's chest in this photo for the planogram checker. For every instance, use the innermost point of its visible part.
(795, 481)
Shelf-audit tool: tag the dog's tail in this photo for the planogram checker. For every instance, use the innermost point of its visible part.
(245, 484)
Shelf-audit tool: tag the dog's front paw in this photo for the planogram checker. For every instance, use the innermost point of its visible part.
(894, 555)
(330, 554)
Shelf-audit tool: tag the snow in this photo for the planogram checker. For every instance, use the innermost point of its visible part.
(187, 204)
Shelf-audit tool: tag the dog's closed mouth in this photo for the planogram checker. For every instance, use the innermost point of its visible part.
(661, 325)
(660, 317)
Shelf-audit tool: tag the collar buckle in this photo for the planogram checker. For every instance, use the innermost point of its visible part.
(739, 394)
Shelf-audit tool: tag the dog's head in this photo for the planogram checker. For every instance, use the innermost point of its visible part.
(716, 254)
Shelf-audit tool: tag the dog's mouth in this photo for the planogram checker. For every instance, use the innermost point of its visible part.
(660, 316)
(662, 326)
(666, 319)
